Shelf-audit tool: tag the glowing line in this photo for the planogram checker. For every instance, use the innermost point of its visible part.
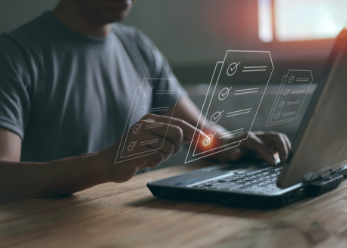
(289, 113)
(302, 79)
(235, 131)
(244, 110)
(247, 89)
(254, 67)
(243, 93)
(159, 107)
(297, 91)
(153, 126)
(149, 142)
(222, 137)
(254, 70)
(293, 103)
(239, 114)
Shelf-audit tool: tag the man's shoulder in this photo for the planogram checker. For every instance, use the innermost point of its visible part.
(29, 28)
(134, 39)
(126, 30)
(29, 33)
(131, 35)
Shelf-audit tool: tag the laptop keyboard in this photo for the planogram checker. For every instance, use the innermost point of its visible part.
(263, 181)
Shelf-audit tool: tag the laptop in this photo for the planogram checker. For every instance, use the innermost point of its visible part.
(316, 164)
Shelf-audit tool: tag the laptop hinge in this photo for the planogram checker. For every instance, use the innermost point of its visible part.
(324, 184)
(325, 174)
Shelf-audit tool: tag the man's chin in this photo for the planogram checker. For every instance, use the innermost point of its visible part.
(116, 10)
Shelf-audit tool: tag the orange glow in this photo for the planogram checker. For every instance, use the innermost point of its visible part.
(204, 145)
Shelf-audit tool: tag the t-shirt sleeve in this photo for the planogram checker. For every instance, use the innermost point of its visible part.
(14, 87)
(160, 70)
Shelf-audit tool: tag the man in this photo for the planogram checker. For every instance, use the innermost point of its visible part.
(66, 83)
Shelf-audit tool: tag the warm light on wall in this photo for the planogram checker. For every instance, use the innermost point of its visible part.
(296, 20)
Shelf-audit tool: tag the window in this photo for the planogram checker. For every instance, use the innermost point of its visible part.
(295, 20)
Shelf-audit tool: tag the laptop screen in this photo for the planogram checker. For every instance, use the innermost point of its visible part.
(321, 143)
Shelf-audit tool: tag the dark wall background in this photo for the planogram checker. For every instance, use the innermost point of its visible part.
(193, 34)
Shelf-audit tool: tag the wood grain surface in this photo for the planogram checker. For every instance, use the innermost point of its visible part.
(127, 215)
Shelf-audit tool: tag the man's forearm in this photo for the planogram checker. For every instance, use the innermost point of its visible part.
(20, 180)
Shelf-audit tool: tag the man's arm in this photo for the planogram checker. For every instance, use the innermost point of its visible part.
(19, 180)
(263, 145)
(10, 146)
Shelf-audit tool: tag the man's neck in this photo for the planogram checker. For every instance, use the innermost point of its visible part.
(71, 16)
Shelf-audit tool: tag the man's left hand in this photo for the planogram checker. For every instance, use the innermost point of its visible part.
(261, 145)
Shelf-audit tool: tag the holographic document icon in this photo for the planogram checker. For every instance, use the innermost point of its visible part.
(131, 149)
(248, 67)
(290, 97)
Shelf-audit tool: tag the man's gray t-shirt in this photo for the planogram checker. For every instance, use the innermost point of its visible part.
(66, 94)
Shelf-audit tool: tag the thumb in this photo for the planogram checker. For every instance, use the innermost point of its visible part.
(229, 155)
(235, 154)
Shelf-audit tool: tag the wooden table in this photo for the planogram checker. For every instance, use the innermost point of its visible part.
(127, 215)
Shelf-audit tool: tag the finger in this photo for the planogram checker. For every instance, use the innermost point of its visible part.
(280, 146)
(189, 131)
(154, 160)
(229, 155)
(289, 144)
(173, 134)
(143, 167)
(135, 145)
(255, 144)
(167, 149)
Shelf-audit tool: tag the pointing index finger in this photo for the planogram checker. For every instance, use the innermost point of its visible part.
(190, 132)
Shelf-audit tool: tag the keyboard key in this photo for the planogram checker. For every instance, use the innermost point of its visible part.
(217, 185)
(243, 187)
(232, 177)
(223, 185)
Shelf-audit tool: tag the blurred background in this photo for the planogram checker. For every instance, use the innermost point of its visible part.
(195, 34)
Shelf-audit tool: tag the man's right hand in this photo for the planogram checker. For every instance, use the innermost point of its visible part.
(178, 132)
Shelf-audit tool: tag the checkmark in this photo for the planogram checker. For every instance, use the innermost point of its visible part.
(137, 128)
(232, 69)
(131, 146)
(148, 91)
(216, 117)
(223, 94)
(142, 110)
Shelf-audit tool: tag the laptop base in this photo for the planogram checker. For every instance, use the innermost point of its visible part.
(231, 199)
